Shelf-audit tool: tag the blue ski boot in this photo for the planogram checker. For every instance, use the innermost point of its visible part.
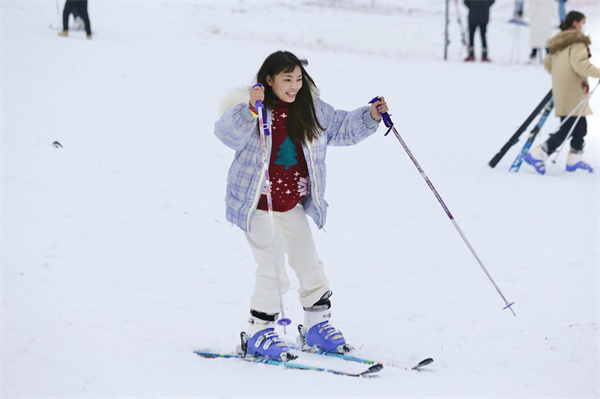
(263, 340)
(325, 337)
(575, 161)
(318, 333)
(537, 158)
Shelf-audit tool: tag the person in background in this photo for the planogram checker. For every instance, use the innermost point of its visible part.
(562, 12)
(82, 8)
(540, 27)
(302, 126)
(479, 16)
(518, 12)
(568, 63)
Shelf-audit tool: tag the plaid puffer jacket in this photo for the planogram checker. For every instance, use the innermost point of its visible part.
(239, 130)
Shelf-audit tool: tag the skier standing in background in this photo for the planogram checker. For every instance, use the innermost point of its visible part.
(540, 27)
(82, 8)
(301, 126)
(568, 63)
(562, 12)
(479, 16)
(518, 12)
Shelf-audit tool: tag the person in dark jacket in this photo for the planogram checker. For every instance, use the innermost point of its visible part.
(479, 16)
(73, 6)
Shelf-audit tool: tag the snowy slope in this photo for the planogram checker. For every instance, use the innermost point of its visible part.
(117, 261)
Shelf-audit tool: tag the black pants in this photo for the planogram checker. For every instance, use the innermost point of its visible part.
(534, 52)
(81, 6)
(482, 31)
(577, 136)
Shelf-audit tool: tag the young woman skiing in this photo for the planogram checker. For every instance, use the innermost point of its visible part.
(301, 127)
(568, 63)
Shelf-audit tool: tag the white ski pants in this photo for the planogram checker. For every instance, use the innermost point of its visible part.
(294, 238)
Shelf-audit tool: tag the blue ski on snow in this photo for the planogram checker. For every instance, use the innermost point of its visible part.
(372, 369)
(350, 358)
(534, 132)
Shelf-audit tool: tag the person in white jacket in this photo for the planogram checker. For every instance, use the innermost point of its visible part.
(540, 27)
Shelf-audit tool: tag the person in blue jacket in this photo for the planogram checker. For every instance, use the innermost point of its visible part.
(479, 16)
(301, 127)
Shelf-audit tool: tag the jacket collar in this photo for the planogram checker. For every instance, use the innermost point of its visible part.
(566, 38)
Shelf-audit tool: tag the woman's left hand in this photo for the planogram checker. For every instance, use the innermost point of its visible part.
(377, 108)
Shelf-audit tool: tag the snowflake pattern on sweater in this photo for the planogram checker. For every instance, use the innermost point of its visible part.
(288, 170)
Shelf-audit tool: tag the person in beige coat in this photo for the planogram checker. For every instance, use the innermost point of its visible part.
(568, 63)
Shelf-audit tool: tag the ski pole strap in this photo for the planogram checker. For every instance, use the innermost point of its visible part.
(385, 116)
(252, 110)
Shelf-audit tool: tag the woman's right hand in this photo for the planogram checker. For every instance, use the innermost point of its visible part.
(257, 93)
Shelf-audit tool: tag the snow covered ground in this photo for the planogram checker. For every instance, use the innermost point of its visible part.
(117, 261)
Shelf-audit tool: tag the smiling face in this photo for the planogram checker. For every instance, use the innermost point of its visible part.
(286, 85)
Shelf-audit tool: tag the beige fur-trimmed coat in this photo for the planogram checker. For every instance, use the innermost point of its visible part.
(568, 63)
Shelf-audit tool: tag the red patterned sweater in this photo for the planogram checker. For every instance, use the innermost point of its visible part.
(288, 171)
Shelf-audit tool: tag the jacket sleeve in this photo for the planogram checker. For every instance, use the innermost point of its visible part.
(345, 127)
(236, 126)
(581, 63)
(468, 3)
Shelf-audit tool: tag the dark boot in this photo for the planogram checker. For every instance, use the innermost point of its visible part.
(484, 56)
(471, 56)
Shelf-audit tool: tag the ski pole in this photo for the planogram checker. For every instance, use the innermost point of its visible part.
(463, 33)
(390, 125)
(583, 103)
(264, 131)
(58, 15)
(516, 44)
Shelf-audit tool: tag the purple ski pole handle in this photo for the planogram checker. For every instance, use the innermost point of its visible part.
(385, 116)
(259, 106)
(259, 103)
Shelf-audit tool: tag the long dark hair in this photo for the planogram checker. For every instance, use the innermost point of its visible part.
(572, 16)
(303, 122)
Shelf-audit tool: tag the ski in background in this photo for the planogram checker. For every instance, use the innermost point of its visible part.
(532, 135)
(518, 14)
(518, 21)
(515, 137)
